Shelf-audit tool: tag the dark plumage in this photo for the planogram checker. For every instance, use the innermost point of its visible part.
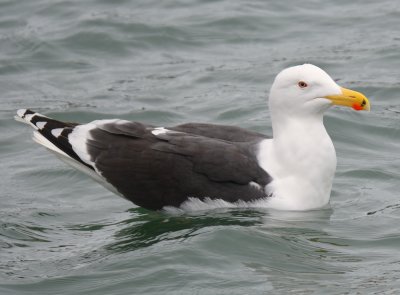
(154, 168)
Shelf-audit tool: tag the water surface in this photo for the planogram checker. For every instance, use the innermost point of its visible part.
(171, 62)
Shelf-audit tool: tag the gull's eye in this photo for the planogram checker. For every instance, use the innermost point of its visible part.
(302, 84)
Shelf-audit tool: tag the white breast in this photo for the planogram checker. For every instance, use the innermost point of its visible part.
(302, 165)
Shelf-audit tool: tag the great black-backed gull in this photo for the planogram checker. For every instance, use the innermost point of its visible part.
(158, 167)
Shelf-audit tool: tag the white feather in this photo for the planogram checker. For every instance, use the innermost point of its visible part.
(57, 132)
(21, 112)
(159, 130)
(41, 125)
(37, 137)
(78, 140)
(195, 204)
(79, 136)
(40, 139)
(255, 185)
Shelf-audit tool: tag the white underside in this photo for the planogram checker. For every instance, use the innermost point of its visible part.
(195, 204)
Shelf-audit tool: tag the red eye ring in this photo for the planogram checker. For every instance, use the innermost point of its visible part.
(302, 84)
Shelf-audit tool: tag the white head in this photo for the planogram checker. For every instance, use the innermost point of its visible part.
(306, 90)
(301, 157)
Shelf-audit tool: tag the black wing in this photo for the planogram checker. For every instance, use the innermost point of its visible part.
(167, 168)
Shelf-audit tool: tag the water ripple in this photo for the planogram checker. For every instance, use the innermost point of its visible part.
(170, 62)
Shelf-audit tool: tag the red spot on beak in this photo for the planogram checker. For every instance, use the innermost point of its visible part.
(357, 107)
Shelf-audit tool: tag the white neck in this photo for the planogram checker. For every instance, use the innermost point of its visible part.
(301, 160)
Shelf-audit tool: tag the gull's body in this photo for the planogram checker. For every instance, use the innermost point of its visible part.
(156, 167)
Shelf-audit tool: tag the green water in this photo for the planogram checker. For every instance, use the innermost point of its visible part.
(168, 62)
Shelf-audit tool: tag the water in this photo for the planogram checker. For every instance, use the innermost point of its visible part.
(168, 62)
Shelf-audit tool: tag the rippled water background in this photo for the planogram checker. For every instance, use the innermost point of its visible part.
(168, 62)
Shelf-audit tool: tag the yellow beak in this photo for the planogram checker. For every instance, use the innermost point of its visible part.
(350, 98)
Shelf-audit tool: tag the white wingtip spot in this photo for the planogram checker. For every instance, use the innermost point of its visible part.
(57, 132)
(159, 130)
(41, 124)
(21, 112)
